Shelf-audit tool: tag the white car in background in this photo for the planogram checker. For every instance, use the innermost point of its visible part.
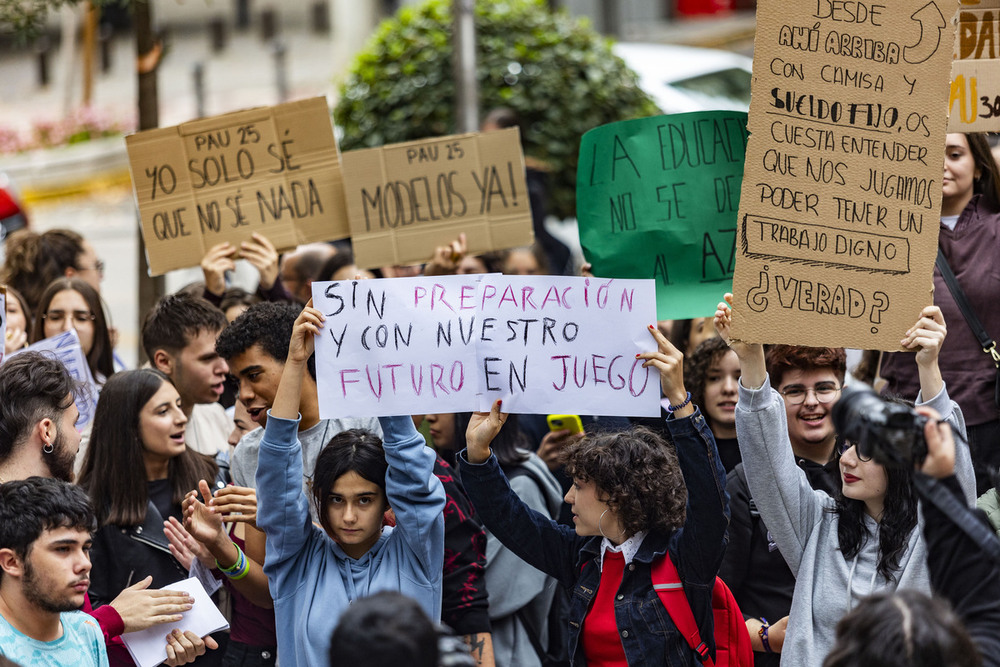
(683, 78)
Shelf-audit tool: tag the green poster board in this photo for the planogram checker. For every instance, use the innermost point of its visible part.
(657, 198)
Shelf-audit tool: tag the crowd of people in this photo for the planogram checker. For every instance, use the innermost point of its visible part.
(491, 538)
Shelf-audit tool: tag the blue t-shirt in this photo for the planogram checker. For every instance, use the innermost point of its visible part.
(82, 643)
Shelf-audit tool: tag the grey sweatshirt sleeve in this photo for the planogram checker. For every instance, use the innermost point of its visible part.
(952, 413)
(788, 505)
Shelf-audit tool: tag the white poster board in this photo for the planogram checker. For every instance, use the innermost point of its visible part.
(541, 344)
(66, 348)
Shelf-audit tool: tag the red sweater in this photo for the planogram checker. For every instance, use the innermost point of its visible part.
(601, 644)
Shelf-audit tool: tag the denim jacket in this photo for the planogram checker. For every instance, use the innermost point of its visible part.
(646, 631)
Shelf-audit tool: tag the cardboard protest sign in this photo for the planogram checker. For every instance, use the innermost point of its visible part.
(405, 200)
(273, 170)
(66, 348)
(657, 198)
(542, 344)
(974, 100)
(842, 188)
(567, 345)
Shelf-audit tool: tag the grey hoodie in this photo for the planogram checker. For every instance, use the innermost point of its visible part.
(802, 524)
(514, 584)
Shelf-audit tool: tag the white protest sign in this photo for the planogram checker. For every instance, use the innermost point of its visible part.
(396, 346)
(553, 344)
(542, 344)
(66, 348)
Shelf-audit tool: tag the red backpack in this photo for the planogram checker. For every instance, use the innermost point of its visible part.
(732, 641)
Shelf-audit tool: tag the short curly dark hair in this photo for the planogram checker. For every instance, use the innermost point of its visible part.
(697, 365)
(636, 473)
(268, 324)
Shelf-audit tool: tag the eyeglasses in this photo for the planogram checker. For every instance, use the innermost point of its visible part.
(59, 316)
(796, 394)
(98, 266)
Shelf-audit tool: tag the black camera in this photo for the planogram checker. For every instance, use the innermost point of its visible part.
(888, 432)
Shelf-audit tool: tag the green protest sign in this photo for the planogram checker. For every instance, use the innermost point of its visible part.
(657, 198)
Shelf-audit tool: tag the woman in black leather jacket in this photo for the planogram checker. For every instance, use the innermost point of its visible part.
(137, 472)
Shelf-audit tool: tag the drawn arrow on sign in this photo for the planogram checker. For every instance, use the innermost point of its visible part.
(931, 23)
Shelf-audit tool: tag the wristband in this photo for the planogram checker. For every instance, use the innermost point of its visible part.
(674, 408)
(763, 635)
(237, 570)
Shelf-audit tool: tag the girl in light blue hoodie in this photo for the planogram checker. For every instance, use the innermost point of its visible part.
(315, 573)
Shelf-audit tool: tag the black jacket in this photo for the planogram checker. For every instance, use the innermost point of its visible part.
(961, 550)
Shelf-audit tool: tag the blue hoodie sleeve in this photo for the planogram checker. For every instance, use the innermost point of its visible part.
(415, 494)
(282, 508)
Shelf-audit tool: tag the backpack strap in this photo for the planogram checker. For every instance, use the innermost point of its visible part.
(667, 584)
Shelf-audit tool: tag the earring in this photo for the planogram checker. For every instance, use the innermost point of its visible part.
(48, 448)
(601, 529)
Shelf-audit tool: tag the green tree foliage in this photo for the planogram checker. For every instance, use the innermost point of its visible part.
(555, 71)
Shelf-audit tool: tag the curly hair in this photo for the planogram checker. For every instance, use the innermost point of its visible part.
(696, 366)
(34, 260)
(784, 358)
(902, 629)
(267, 324)
(636, 473)
(899, 518)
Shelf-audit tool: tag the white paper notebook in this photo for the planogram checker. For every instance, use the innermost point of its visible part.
(149, 647)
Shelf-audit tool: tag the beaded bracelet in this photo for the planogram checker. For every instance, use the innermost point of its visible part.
(675, 408)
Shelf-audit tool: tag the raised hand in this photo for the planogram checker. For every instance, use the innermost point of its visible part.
(185, 548)
(483, 427)
(219, 259)
(669, 361)
(751, 355)
(552, 445)
(447, 258)
(237, 504)
(200, 521)
(307, 327)
(260, 252)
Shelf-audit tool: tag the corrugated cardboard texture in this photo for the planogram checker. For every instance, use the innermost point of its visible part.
(841, 196)
(273, 170)
(974, 100)
(405, 200)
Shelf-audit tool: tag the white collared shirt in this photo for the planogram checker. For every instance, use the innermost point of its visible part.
(628, 548)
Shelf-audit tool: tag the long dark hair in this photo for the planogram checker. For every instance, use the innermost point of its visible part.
(988, 183)
(899, 518)
(113, 470)
(510, 446)
(354, 450)
(100, 358)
